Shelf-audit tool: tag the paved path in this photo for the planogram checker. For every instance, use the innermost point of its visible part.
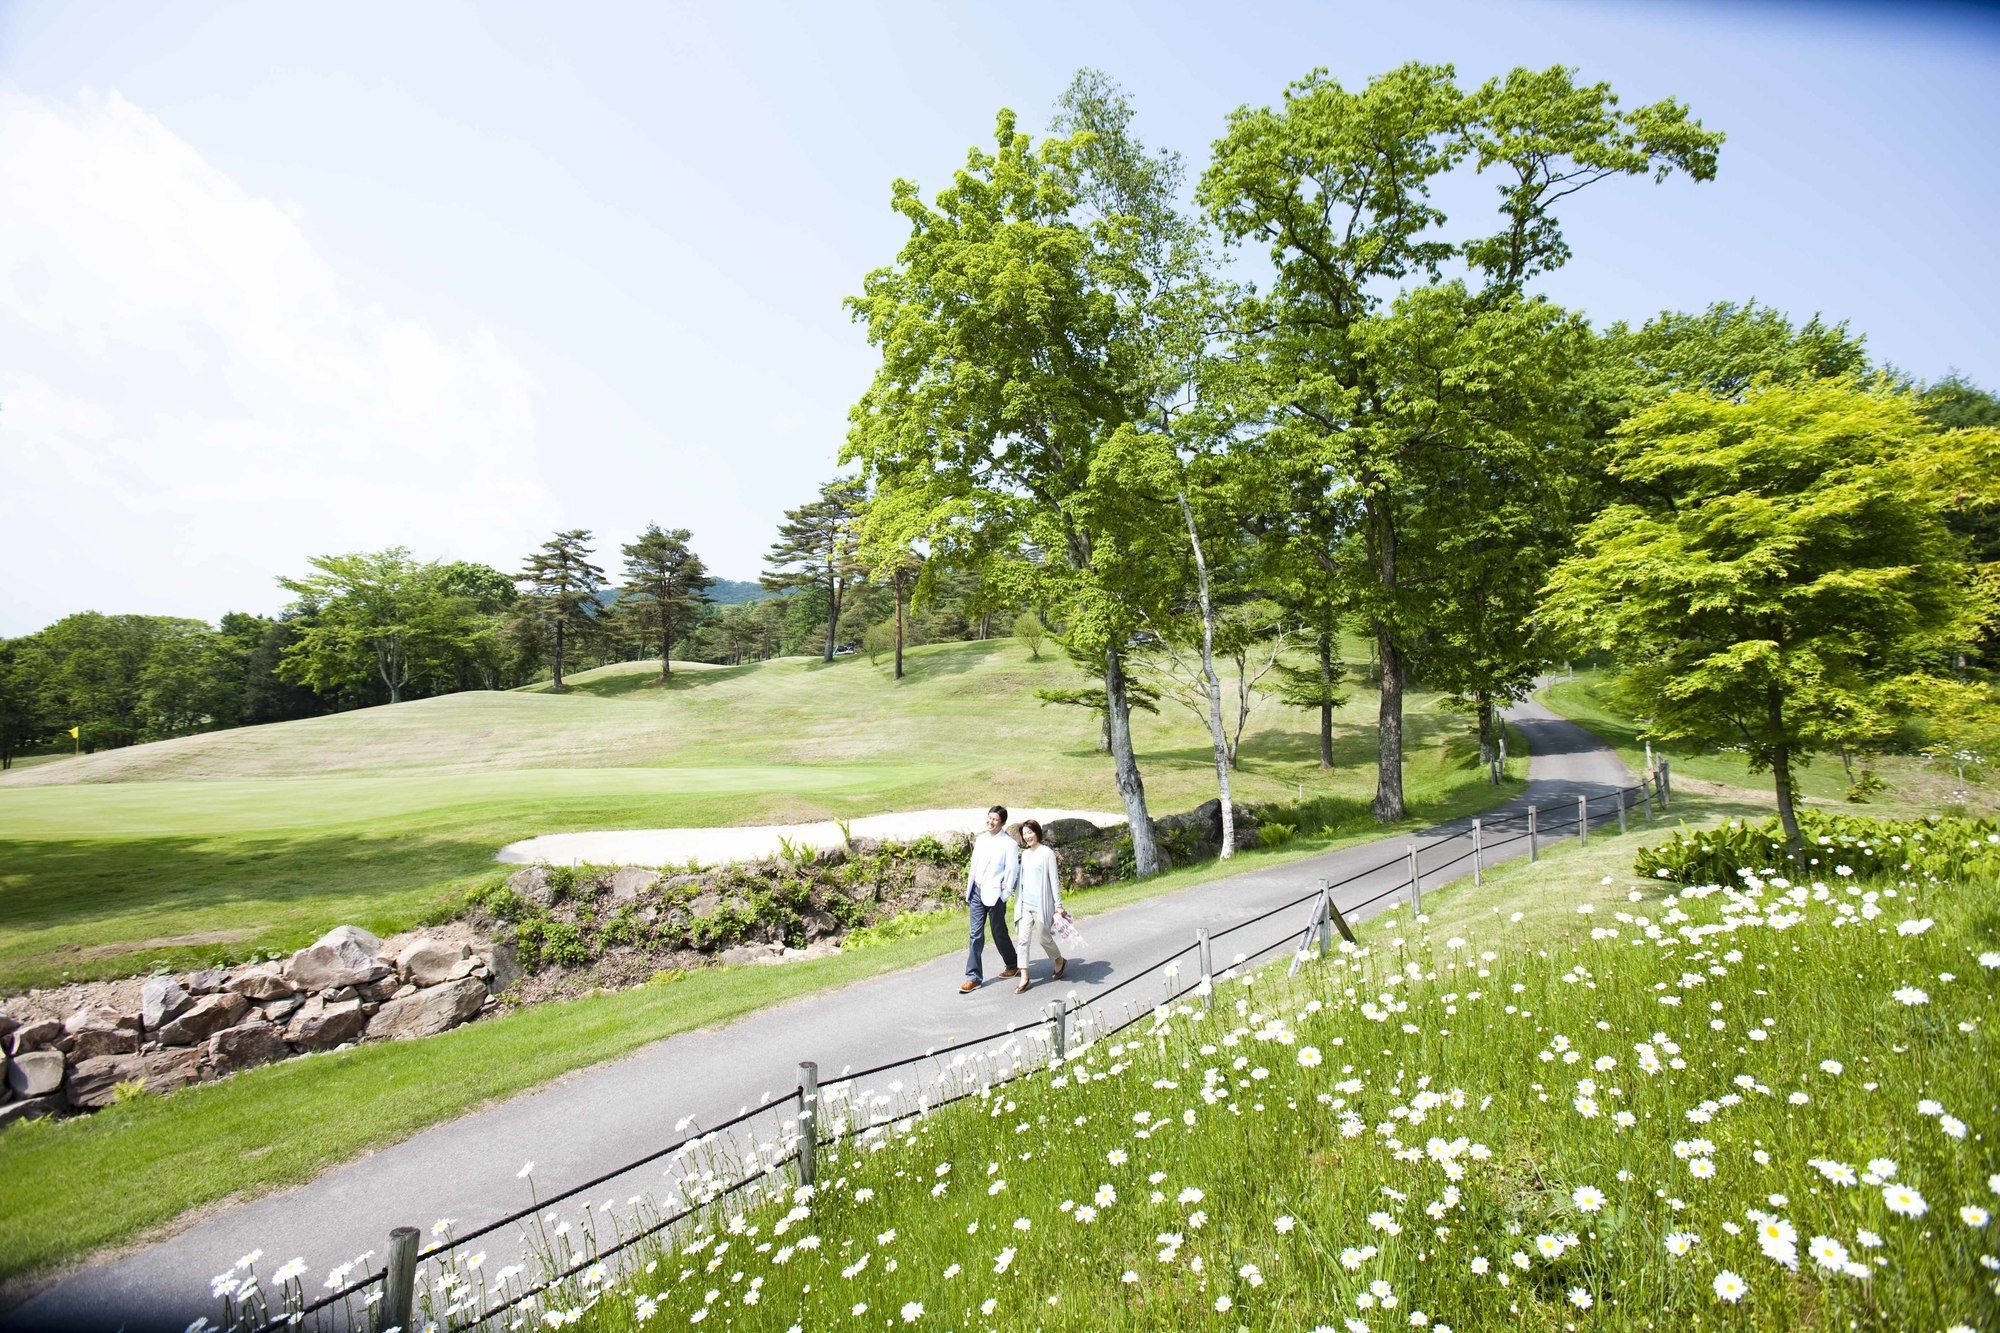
(588, 1123)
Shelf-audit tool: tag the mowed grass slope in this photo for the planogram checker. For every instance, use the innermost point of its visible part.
(219, 846)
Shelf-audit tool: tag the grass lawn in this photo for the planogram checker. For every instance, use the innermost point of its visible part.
(1909, 782)
(138, 1165)
(1674, 1110)
(217, 847)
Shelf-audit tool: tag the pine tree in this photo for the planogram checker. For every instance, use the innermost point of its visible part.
(818, 550)
(669, 580)
(561, 595)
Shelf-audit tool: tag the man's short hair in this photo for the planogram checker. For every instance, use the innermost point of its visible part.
(999, 810)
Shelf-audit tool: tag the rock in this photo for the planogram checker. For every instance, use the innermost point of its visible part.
(161, 1001)
(34, 1036)
(339, 994)
(705, 904)
(407, 988)
(379, 989)
(277, 1011)
(319, 1024)
(503, 967)
(436, 1009)
(35, 1073)
(247, 1044)
(344, 956)
(1063, 832)
(627, 883)
(262, 983)
(751, 953)
(207, 981)
(94, 1043)
(7, 1025)
(94, 1083)
(427, 962)
(210, 1014)
(35, 1108)
(532, 884)
(98, 1017)
(464, 967)
(167, 1070)
(818, 923)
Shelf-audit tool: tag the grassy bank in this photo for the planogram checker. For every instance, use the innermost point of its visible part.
(213, 848)
(1766, 1106)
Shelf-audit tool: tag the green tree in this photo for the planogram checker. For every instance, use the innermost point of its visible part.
(1780, 569)
(818, 550)
(559, 602)
(24, 716)
(663, 573)
(187, 684)
(1333, 365)
(91, 665)
(376, 613)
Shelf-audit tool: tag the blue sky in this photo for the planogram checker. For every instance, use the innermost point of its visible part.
(285, 279)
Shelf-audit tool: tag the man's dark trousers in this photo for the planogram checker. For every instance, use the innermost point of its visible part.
(975, 952)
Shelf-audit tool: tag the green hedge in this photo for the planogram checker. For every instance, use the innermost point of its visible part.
(1935, 848)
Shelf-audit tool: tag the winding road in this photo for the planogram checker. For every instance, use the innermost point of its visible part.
(589, 1122)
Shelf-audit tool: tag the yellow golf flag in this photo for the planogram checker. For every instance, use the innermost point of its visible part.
(76, 733)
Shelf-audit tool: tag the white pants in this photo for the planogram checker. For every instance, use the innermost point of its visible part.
(1030, 929)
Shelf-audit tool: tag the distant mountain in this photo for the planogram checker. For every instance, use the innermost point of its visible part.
(734, 592)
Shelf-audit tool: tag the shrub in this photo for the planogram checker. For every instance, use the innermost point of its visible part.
(898, 927)
(1274, 834)
(544, 942)
(1934, 848)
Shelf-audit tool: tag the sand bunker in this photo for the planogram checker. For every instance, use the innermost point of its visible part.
(720, 846)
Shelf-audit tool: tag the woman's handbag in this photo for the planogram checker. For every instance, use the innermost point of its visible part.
(1068, 938)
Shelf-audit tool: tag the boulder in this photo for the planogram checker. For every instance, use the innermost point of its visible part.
(209, 1015)
(35, 1073)
(318, 1025)
(503, 967)
(344, 956)
(705, 904)
(277, 1011)
(532, 884)
(628, 883)
(245, 1045)
(34, 1108)
(34, 1036)
(263, 982)
(96, 1016)
(379, 989)
(818, 923)
(342, 937)
(1064, 832)
(94, 1083)
(207, 981)
(465, 967)
(428, 962)
(7, 1025)
(339, 994)
(167, 1070)
(433, 1010)
(752, 953)
(407, 988)
(92, 1043)
(161, 1001)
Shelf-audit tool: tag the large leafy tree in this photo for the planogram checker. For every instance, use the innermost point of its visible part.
(559, 596)
(1027, 321)
(819, 550)
(378, 613)
(1778, 571)
(24, 705)
(665, 576)
(1349, 362)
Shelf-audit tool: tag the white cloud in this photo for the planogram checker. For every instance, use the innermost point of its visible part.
(193, 399)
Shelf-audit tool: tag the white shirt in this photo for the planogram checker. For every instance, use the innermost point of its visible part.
(995, 868)
(1041, 892)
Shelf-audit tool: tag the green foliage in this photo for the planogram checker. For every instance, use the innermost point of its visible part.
(667, 584)
(1778, 573)
(1271, 833)
(559, 606)
(901, 926)
(545, 942)
(1835, 847)
(383, 614)
(818, 552)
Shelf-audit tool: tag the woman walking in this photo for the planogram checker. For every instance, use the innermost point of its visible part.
(1038, 900)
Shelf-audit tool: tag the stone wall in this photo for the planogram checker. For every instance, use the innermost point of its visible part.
(72, 1049)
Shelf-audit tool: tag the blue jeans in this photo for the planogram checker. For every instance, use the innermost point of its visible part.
(979, 916)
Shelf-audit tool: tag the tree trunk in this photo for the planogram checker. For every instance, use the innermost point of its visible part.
(1104, 733)
(1225, 758)
(666, 640)
(832, 615)
(1389, 805)
(1781, 775)
(1131, 788)
(557, 687)
(899, 624)
(1326, 694)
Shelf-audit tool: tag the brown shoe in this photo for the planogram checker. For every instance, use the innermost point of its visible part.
(969, 987)
(1011, 972)
(1060, 967)
(1023, 986)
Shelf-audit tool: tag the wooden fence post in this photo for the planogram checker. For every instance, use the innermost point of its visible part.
(1666, 783)
(1323, 918)
(1582, 820)
(399, 1280)
(1646, 795)
(1476, 845)
(1339, 919)
(1058, 1043)
(1534, 814)
(1621, 809)
(808, 1122)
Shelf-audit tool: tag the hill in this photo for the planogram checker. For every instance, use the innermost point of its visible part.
(221, 845)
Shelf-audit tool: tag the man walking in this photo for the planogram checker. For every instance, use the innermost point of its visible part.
(991, 877)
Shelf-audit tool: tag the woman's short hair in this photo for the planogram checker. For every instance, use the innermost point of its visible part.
(1041, 838)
